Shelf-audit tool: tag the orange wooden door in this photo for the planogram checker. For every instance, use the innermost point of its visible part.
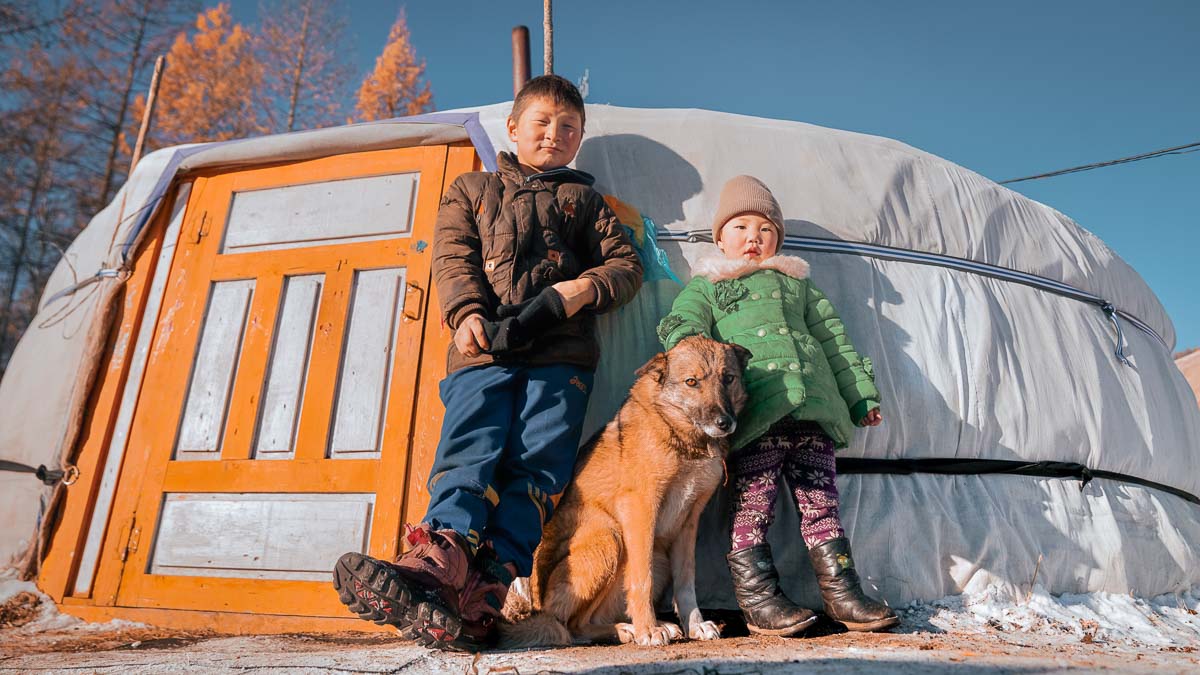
(276, 410)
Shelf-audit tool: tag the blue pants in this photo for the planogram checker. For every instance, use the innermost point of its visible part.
(507, 451)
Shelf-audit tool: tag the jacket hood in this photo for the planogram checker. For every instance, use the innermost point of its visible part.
(717, 268)
(508, 167)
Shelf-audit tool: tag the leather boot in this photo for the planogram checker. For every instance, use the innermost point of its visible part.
(418, 593)
(482, 599)
(756, 587)
(841, 591)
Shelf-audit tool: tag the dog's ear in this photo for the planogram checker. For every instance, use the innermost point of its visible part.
(655, 367)
(743, 354)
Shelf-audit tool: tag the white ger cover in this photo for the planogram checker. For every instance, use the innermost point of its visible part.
(968, 366)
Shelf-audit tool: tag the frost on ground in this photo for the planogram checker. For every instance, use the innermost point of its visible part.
(986, 633)
(1165, 621)
(30, 618)
(25, 609)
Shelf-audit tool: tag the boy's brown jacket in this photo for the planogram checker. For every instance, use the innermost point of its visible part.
(503, 237)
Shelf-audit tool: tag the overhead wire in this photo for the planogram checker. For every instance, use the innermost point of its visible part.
(1177, 150)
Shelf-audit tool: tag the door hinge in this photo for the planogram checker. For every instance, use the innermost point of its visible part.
(131, 541)
(202, 230)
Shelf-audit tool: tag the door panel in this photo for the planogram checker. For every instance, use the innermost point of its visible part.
(277, 407)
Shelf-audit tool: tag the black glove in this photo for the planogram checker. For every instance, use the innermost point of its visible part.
(519, 324)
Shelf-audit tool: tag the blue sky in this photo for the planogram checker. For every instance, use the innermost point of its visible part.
(1006, 89)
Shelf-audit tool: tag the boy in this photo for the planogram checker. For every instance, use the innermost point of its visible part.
(522, 258)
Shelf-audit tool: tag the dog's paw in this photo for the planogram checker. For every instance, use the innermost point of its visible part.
(674, 632)
(704, 630)
(655, 636)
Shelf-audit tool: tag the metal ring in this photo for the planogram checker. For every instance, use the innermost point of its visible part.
(70, 475)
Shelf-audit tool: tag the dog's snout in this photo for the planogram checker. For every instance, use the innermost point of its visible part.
(724, 422)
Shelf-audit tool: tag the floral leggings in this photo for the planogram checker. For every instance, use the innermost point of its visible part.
(803, 453)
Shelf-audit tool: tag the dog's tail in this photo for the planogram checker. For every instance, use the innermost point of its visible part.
(537, 630)
(523, 627)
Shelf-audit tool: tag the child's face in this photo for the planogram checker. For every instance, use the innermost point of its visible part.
(748, 236)
(547, 134)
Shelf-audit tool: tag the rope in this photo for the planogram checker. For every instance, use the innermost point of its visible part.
(960, 466)
(46, 475)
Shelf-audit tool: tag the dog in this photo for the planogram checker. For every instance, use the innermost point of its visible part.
(626, 525)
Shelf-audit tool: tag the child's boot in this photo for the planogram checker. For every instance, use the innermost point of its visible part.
(519, 324)
(482, 599)
(756, 585)
(841, 591)
(418, 593)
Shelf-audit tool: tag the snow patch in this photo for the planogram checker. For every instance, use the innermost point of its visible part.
(48, 618)
(1167, 620)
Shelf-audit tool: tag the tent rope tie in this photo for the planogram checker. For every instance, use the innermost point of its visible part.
(1111, 313)
(51, 477)
(1085, 477)
(103, 273)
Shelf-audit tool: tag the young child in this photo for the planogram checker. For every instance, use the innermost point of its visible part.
(523, 259)
(807, 388)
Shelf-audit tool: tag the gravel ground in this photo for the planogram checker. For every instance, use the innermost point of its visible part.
(131, 648)
(1042, 633)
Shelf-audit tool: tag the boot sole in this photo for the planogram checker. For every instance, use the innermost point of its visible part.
(375, 593)
(782, 632)
(872, 626)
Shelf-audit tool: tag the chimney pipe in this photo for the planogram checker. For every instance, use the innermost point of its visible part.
(520, 55)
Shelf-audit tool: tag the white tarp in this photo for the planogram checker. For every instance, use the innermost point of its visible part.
(969, 366)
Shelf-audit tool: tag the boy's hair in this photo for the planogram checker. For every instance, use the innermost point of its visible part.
(554, 87)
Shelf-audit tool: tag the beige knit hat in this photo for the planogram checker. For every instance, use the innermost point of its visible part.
(746, 194)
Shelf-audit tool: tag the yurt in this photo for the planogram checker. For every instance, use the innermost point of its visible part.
(232, 376)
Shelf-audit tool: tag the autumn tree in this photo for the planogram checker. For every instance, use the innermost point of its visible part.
(211, 90)
(397, 86)
(301, 47)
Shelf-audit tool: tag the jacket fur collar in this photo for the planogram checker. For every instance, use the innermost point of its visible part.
(718, 268)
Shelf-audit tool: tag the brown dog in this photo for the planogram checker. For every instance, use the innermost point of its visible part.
(627, 523)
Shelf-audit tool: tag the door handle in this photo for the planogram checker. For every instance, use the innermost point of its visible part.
(413, 306)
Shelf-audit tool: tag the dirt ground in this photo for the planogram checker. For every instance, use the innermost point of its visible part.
(918, 648)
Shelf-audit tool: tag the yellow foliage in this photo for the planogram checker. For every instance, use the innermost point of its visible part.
(210, 87)
(396, 87)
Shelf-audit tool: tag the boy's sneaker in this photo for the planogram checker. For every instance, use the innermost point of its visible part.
(481, 601)
(418, 593)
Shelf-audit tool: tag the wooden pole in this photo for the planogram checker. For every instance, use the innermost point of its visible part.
(548, 36)
(520, 52)
(159, 64)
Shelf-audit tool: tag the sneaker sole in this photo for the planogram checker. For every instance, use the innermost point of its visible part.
(375, 593)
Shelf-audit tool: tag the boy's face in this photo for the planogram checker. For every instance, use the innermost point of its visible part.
(547, 134)
(748, 236)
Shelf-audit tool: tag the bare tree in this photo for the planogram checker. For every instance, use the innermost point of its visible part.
(69, 72)
(39, 129)
(301, 46)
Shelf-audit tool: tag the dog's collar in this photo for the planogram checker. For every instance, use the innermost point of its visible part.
(716, 268)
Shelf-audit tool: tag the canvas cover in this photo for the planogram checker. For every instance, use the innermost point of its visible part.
(969, 365)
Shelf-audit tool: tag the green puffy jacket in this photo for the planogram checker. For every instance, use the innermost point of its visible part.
(803, 364)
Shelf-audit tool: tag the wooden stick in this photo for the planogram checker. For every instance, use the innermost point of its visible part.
(159, 64)
(548, 36)
(1033, 581)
